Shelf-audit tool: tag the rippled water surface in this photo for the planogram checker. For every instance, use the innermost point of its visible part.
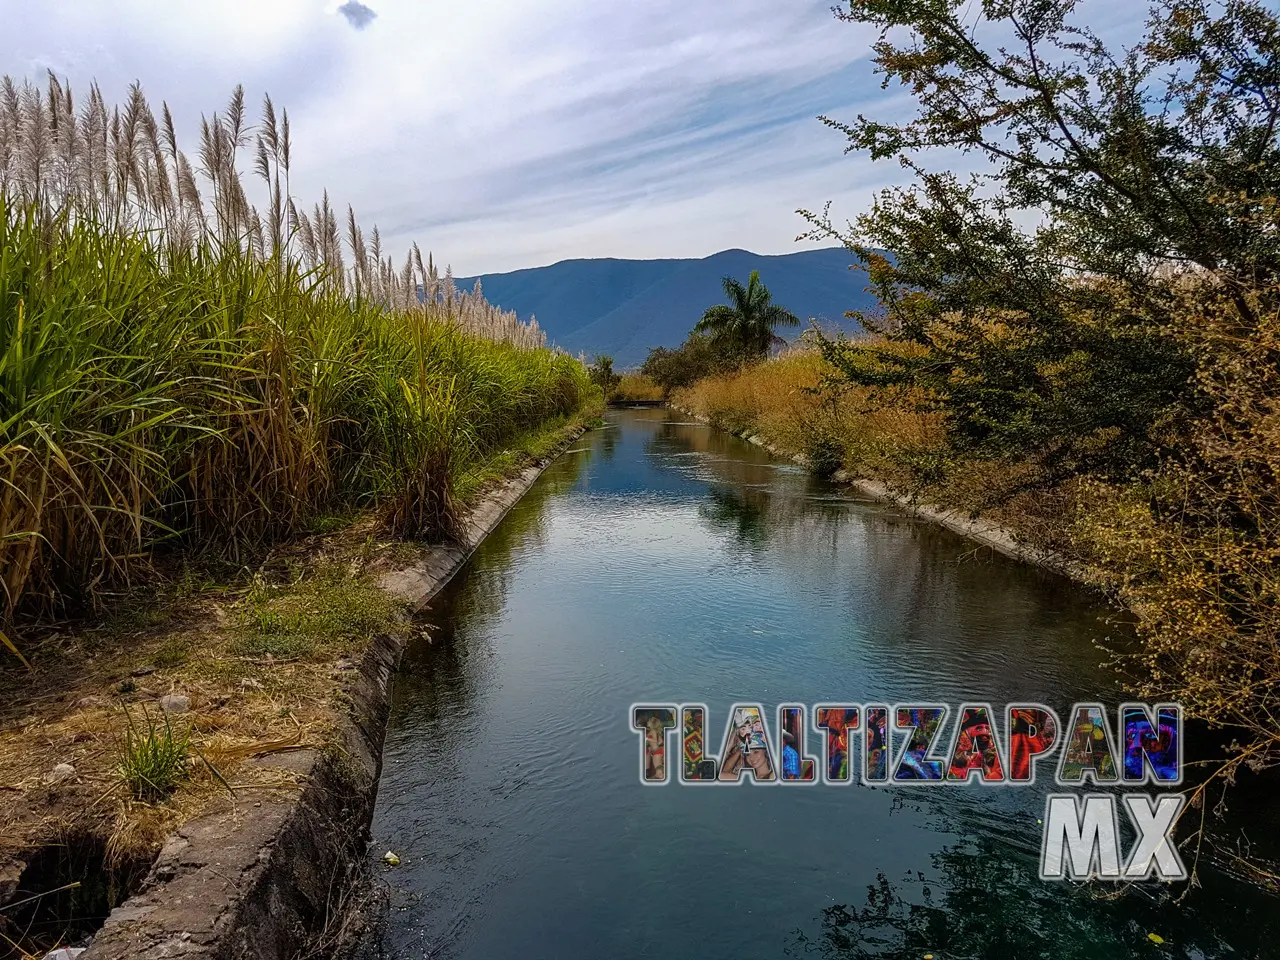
(659, 560)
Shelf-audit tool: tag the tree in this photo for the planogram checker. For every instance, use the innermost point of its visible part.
(684, 366)
(746, 323)
(1151, 166)
(1134, 335)
(602, 375)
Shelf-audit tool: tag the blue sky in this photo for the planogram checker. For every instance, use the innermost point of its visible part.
(512, 133)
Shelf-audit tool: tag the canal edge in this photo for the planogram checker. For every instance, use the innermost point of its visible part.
(992, 535)
(268, 878)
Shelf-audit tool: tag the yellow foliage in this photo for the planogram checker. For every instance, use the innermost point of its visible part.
(780, 399)
(636, 386)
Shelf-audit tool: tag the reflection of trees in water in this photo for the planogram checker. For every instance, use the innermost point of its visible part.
(730, 460)
(987, 903)
(759, 505)
(938, 601)
(437, 667)
(607, 442)
(740, 512)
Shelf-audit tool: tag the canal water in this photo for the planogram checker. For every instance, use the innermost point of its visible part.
(660, 560)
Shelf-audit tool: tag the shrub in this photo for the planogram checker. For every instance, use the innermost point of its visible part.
(696, 358)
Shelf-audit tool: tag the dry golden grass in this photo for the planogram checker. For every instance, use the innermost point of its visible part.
(636, 386)
(264, 665)
(779, 400)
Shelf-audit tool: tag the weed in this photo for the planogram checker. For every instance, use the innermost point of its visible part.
(153, 759)
(173, 652)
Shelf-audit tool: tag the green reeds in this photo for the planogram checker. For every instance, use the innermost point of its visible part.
(218, 380)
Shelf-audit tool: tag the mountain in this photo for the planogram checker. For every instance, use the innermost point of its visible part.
(625, 307)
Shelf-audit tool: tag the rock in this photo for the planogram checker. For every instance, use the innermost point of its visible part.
(175, 703)
(89, 703)
(144, 670)
(63, 771)
(10, 876)
(251, 684)
(65, 953)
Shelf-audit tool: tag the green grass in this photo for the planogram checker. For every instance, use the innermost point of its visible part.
(207, 399)
(153, 758)
(172, 653)
(536, 444)
(329, 609)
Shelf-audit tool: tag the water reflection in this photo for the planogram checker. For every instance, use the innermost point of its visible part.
(741, 513)
(664, 561)
(982, 900)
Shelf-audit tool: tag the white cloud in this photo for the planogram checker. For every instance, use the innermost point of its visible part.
(510, 133)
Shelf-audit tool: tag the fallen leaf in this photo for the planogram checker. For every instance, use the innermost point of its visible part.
(1155, 938)
(391, 858)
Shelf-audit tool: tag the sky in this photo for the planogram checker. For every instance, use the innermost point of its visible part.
(502, 134)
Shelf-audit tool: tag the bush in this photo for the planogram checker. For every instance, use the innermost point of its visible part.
(696, 358)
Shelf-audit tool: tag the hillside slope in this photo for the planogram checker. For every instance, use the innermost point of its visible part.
(625, 307)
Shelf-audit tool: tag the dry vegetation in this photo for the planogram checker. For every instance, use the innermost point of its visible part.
(262, 665)
(1193, 547)
(782, 400)
(792, 401)
(636, 386)
(1107, 382)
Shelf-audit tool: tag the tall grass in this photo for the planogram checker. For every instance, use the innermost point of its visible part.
(781, 400)
(198, 372)
(636, 386)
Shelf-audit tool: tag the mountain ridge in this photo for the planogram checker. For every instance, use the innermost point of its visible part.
(623, 308)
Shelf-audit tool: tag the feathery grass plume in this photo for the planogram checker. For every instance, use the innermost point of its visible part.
(176, 370)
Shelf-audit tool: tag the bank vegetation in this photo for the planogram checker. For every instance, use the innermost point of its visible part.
(1107, 383)
(182, 368)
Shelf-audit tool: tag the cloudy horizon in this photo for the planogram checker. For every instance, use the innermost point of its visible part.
(505, 136)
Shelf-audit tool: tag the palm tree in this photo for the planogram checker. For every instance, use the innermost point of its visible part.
(745, 324)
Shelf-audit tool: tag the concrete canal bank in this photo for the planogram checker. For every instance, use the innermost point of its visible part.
(270, 878)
